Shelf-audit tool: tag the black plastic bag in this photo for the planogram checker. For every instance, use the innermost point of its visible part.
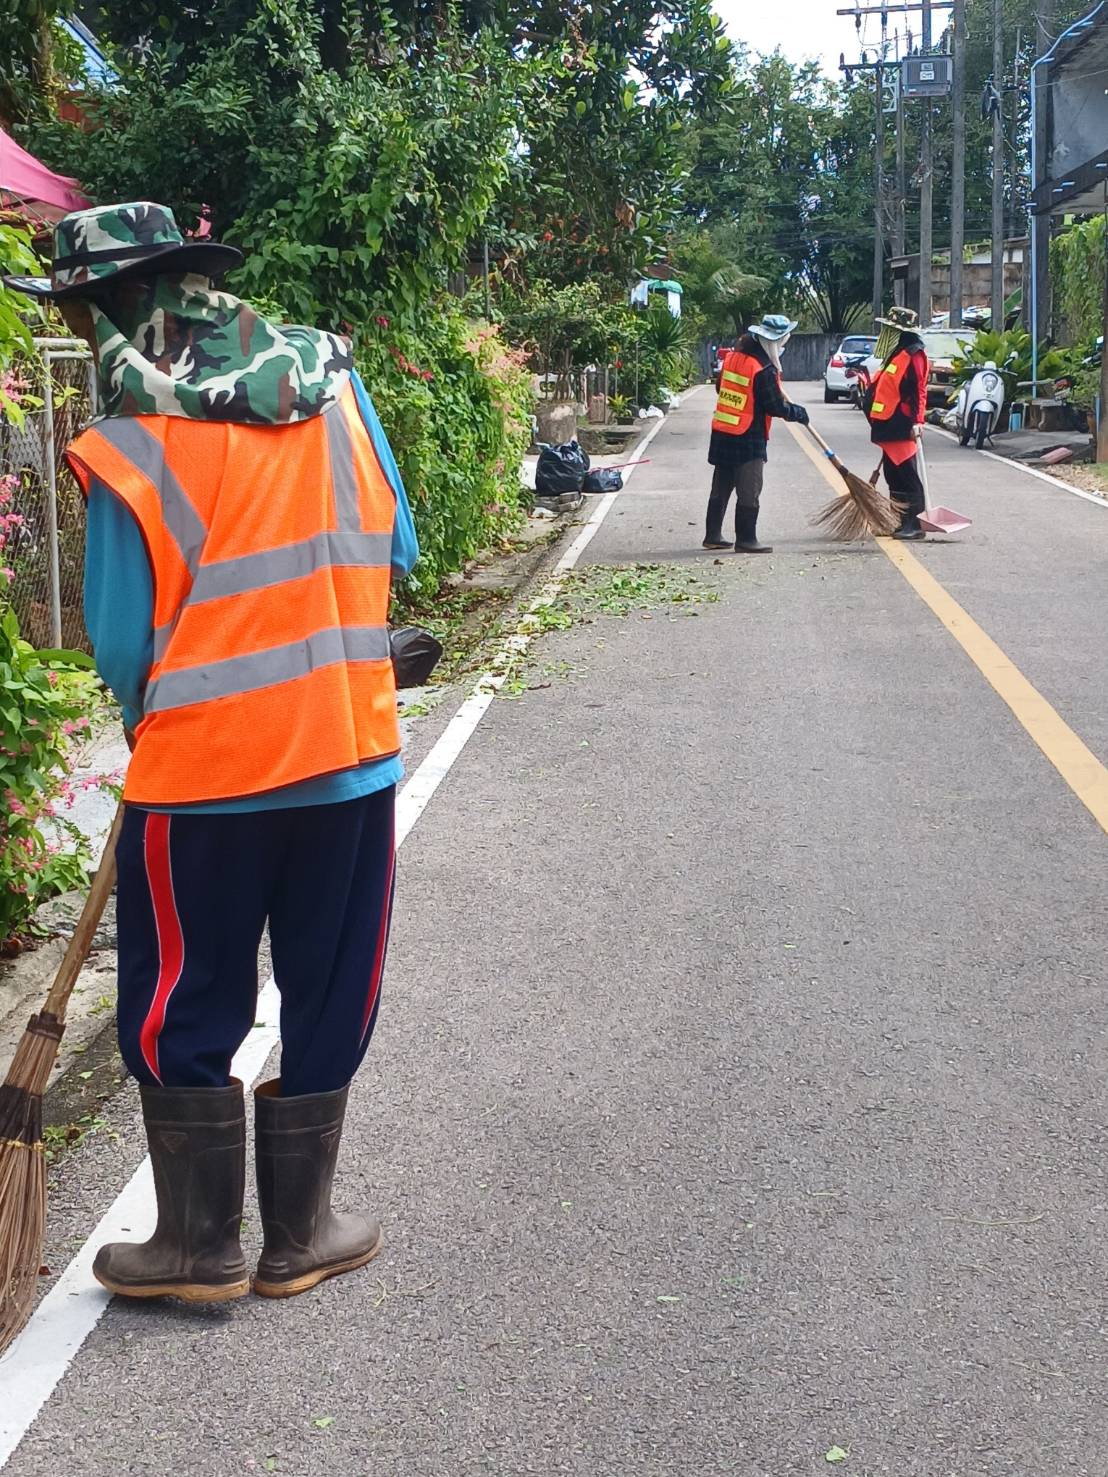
(561, 469)
(415, 655)
(604, 479)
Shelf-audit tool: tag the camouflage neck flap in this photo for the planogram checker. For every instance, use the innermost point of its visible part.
(178, 346)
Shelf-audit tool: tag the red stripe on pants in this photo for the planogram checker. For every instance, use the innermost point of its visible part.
(171, 940)
(379, 952)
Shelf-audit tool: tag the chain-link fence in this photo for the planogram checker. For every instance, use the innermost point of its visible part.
(46, 551)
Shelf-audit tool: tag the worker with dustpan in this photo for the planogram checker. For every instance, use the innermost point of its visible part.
(245, 518)
(896, 406)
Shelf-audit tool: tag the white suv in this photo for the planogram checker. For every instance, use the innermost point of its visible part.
(836, 386)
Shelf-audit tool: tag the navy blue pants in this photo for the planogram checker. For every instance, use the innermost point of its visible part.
(194, 896)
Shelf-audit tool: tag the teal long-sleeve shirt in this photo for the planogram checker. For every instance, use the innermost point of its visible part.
(119, 615)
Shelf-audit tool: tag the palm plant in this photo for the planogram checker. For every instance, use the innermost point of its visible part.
(737, 294)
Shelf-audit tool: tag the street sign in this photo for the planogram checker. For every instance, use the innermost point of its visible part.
(927, 76)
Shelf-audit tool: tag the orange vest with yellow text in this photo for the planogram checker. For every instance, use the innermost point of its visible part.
(270, 549)
(734, 413)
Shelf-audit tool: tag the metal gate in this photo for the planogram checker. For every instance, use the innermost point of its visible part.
(45, 552)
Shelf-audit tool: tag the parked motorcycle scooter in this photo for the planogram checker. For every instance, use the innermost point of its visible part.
(979, 404)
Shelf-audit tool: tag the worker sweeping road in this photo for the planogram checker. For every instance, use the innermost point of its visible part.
(245, 517)
(750, 395)
(896, 405)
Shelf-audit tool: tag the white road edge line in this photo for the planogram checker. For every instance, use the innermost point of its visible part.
(37, 1361)
(1007, 461)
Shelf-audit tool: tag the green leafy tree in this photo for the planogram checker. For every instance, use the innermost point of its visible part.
(781, 183)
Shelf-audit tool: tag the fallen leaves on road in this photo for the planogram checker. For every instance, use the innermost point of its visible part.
(968, 1220)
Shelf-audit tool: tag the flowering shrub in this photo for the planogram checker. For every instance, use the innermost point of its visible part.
(44, 703)
(455, 402)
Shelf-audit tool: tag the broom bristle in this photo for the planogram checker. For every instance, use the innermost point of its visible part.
(22, 1232)
(860, 513)
(23, 1172)
(842, 520)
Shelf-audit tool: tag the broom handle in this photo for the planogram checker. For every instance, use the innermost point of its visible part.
(821, 442)
(77, 950)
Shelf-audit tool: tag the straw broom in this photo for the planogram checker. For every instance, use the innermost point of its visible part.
(861, 511)
(22, 1159)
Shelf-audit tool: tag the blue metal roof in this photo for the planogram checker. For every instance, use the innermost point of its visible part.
(96, 63)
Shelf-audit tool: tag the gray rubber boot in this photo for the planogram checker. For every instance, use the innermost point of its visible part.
(746, 526)
(297, 1147)
(197, 1139)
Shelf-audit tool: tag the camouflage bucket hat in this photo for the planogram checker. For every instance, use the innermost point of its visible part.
(903, 318)
(113, 242)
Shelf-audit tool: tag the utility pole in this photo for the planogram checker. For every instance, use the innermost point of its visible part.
(926, 150)
(927, 184)
(879, 193)
(958, 170)
(1014, 187)
(900, 226)
(1040, 224)
(996, 321)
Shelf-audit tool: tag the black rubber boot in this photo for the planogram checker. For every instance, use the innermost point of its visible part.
(746, 526)
(716, 543)
(909, 529)
(297, 1146)
(197, 1139)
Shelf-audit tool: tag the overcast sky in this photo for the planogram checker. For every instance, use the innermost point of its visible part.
(804, 29)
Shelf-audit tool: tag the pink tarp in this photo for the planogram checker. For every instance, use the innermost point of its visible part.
(24, 182)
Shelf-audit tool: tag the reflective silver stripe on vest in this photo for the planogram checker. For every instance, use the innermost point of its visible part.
(238, 674)
(161, 639)
(148, 455)
(344, 479)
(290, 562)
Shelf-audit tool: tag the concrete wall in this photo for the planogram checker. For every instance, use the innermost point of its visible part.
(806, 354)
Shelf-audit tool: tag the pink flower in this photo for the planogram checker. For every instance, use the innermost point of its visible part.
(381, 321)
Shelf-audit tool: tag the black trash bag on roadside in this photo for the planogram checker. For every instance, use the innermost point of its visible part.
(604, 479)
(415, 655)
(561, 469)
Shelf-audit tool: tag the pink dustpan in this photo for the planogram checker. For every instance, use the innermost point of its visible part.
(938, 520)
(943, 520)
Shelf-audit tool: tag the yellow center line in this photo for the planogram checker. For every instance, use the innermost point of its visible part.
(1072, 758)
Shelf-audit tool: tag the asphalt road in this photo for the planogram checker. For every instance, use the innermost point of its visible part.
(738, 1092)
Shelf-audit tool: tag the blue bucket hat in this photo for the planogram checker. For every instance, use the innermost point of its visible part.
(773, 327)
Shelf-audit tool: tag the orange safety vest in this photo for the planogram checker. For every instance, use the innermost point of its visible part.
(270, 548)
(889, 420)
(734, 413)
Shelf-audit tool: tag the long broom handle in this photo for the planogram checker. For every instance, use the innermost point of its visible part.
(77, 950)
(821, 442)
